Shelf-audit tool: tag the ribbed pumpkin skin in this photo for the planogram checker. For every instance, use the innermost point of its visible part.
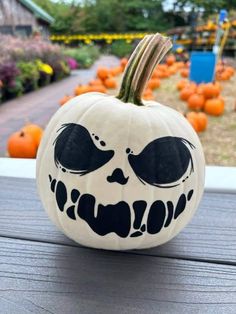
(121, 126)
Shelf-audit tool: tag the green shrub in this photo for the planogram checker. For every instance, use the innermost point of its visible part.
(84, 55)
(10, 81)
(120, 48)
(29, 75)
(14, 90)
(60, 70)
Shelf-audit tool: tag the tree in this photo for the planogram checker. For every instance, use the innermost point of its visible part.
(208, 7)
(106, 15)
(145, 15)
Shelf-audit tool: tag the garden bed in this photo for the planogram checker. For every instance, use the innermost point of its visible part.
(28, 64)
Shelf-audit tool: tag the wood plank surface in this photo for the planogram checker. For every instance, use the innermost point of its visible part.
(211, 236)
(49, 278)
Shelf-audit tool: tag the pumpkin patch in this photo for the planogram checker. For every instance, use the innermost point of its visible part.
(202, 97)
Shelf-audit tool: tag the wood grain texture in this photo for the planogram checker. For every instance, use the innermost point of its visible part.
(12, 12)
(44, 278)
(211, 236)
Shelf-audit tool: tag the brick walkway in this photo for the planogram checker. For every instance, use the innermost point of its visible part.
(39, 106)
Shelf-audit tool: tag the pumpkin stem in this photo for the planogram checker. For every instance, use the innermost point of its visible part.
(141, 65)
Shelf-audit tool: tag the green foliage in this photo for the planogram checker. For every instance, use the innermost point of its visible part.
(60, 70)
(15, 90)
(95, 16)
(144, 15)
(84, 55)
(123, 16)
(209, 6)
(65, 14)
(29, 75)
(65, 68)
(89, 16)
(120, 48)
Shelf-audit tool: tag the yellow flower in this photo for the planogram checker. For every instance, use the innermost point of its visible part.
(87, 41)
(179, 50)
(46, 68)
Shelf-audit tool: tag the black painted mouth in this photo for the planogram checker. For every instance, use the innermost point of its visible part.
(117, 217)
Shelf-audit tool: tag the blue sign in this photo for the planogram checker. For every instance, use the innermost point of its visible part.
(223, 15)
(202, 68)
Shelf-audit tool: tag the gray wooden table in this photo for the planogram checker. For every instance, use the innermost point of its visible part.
(42, 271)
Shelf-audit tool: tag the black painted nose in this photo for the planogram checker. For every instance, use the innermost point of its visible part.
(118, 177)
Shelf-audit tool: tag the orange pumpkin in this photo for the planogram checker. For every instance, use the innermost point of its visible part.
(35, 131)
(153, 83)
(196, 101)
(202, 121)
(116, 71)
(165, 73)
(162, 67)
(159, 74)
(214, 106)
(82, 89)
(95, 82)
(155, 74)
(102, 73)
(219, 68)
(184, 73)
(181, 84)
(98, 88)
(223, 76)
(21, 145)
(200, 89)
(211, 90)
(186, 92)
(230, 70)
(172, 69)
(110, 83)
(147, 94)
(64, 99)
(193, 121)
(198, 120)
(170, 60)
(123, 63)
(218, 85)
(180, 64)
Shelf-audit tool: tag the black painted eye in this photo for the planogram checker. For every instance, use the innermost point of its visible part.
(163, 161)
(76, 152)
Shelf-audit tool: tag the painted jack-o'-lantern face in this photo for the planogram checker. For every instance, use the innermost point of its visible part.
(115, 175)
(159, 164)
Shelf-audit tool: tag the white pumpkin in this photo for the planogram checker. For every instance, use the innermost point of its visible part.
(118, 173)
